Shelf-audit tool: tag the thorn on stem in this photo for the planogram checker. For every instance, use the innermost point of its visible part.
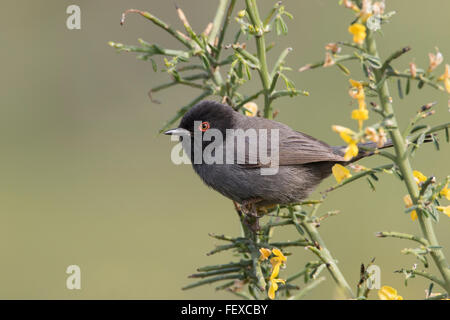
(124, 14)
(151, 97)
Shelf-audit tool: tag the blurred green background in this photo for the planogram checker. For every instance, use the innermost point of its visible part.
(86, 179)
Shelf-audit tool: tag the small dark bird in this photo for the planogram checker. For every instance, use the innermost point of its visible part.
(303, 160)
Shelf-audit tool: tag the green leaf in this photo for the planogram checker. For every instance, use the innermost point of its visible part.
(399, 87)
(420, 84)
(372, 60)
(371, 184)
(412, 208)
(343, 68)
(154, 66)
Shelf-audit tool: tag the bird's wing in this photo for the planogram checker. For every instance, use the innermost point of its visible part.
(294, 147)
(300, 148)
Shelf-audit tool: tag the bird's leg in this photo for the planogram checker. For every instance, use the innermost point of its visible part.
(250, 211)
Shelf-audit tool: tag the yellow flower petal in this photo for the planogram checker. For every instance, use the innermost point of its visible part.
(273, 287)
(447, 85)
(355, 84)
(359, 32)
(419, 177)
(251, 109)
(279, 254)
(446, 78)
(408, 203)
(360, 115)
(362, 104)
(275, 269)
(445, 210)
(351, 151)
(445, 192)
(265, 253)
(407, 200)
(345, 133)
(388, 293)
(340, 172)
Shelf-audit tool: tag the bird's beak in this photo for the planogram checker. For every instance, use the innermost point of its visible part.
(178, 132)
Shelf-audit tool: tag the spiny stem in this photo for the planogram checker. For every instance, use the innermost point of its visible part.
(311, 285)
(217, 21)
(324, 254)
(425, 275)
(263, 70)
(405, 236)
(157, 22)
(405, 168)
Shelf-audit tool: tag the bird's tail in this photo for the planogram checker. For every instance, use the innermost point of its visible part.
(368, 149)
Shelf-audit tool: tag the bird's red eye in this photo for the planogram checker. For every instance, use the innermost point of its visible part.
(204, 126)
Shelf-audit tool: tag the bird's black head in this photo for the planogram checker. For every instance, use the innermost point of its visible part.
(204, 116)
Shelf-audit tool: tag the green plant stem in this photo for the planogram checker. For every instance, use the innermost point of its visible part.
(405, 168)
(263, 70)
(324, 254)
(399, 235)
(337, 59)
(159, 23)
(311, 285)
(221, 9)
(418, 78)
(428, 276)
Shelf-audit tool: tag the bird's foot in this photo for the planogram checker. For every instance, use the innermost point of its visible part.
(251, 217)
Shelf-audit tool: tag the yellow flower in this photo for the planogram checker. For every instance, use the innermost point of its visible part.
(360, 115)
(408, 203)
(276, 262)
(345, 133)
(355, 84)
(242, 13)
(419, 177)
(351, 151)
(388, 293)
(445, 192)
(279, 255)
(445, 210)
(265, 253)
(359, 32)
(357, 92)
(274, 287)
(446, 78)
(340, 172)
(251, 109)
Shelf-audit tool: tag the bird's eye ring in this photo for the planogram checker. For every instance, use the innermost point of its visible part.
(204, 126)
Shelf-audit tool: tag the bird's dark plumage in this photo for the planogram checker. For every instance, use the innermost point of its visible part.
(303, 160)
